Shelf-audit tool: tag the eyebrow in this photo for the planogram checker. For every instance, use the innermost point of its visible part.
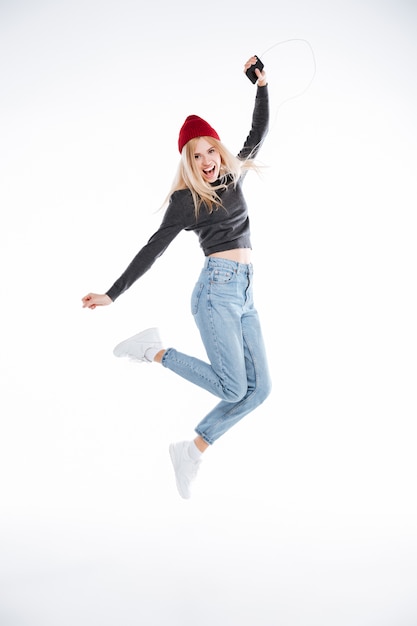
(208, 149)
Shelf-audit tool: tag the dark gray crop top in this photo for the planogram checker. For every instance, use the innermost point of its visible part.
(226, 228)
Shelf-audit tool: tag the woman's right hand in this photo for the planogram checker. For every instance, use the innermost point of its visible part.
(91, 300)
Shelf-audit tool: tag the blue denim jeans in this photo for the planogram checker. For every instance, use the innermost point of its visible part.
(237, 372)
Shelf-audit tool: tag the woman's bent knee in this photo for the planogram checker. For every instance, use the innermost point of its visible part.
(263, 390)
(260, 393)
(234, 395)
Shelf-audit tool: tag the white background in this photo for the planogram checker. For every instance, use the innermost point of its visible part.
(305, 513)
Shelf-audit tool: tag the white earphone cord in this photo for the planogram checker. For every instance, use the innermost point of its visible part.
(297, 95)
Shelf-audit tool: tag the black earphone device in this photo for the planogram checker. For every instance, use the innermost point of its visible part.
(250, 72)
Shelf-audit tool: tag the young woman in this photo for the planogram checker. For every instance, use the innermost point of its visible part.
(207, 198)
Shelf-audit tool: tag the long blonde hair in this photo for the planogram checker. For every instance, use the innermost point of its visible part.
(189, 177)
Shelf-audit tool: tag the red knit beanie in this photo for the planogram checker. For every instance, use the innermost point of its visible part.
(193, 127)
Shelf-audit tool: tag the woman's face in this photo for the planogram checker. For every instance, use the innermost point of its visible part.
(208, 160)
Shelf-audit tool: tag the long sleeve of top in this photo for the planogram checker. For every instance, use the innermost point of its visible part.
(225, 228)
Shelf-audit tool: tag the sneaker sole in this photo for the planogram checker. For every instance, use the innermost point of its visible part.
(172, 452)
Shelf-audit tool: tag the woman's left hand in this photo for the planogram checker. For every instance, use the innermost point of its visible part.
(261, 75)
(92, 300)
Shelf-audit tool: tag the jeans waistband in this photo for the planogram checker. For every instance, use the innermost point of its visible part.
(239, 268)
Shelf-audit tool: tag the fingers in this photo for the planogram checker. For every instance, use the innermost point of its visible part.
(261, 77)
(249, 62)
(89, 301)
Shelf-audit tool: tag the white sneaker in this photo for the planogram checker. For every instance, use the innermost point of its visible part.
(136, 346)
(185, 467)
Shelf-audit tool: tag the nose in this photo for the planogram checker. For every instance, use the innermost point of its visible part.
(206, 159)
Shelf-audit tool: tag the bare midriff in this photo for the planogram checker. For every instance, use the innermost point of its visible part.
(240, 255)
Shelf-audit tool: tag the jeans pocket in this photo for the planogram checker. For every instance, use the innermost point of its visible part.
(195, 297)
(221, 276)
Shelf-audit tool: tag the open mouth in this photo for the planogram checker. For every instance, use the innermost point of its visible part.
(210, 171)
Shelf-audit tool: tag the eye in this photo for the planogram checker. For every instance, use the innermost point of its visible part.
(212, 150)
(196, 156)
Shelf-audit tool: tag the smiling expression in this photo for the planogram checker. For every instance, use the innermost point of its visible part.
(208, 160)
